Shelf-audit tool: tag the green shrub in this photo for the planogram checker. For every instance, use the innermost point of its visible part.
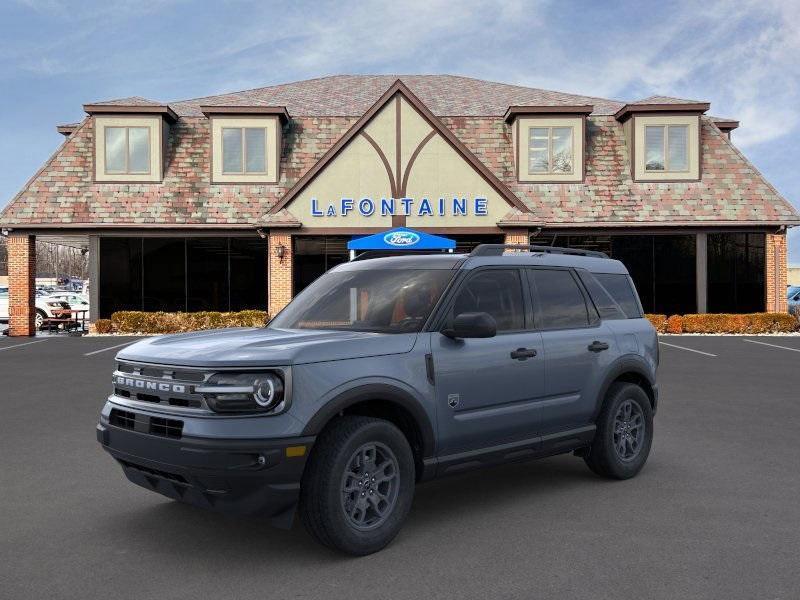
(132, 321)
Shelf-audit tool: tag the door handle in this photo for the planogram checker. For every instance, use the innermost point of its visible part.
(523, 353)
(596, 346)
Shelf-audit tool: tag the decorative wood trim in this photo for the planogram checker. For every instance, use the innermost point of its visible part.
(399, 87)
(384, 160)
(629, 109)
(412, 158)
(131, 109)
(279, 111)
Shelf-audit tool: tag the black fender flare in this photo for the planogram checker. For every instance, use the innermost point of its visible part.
(376, 391)
(626, 364)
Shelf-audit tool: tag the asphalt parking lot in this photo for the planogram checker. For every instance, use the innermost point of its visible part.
(715, 513)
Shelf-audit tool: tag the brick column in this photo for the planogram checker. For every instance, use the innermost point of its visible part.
(775, 273)
(21, 284)
(517, 236)
(280, 271)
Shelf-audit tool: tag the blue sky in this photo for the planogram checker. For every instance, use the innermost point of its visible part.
(56, 55)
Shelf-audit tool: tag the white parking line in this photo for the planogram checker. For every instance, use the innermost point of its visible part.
(110, 348)
(688, 349)
(20, 345)
(771, 345)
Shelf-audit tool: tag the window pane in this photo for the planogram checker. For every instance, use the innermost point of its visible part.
(538, 150)
(498, 293)
(115, 149)
(164, 276)
(207, 274)
(605, 304)
(248, 273)
(562, 149)
(138, 149)
(736, 272)
(654, 148)
(621, 289)
(231, 150)
(674, 274)
(678, 140)
(120, 266)
(256, 151)
(561, 303)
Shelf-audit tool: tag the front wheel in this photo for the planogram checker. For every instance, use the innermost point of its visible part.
(39, 318)
(357, 488)
(624, 433)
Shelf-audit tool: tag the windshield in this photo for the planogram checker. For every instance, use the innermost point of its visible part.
(381, 301)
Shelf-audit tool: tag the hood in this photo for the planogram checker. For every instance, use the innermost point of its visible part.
(239, 347)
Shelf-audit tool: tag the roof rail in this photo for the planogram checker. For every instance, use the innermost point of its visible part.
(499, 249)
(368, 254)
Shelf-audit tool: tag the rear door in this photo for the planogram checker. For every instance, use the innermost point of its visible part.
(577, 348)
(487, 389)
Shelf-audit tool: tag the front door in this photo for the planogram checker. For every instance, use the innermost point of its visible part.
(487, 389)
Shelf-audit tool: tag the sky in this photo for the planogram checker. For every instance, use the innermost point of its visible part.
(742, 56)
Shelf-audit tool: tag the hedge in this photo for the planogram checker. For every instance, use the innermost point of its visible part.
(131, 321)
(726, 323)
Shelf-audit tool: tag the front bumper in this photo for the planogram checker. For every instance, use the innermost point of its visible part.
(249, 477)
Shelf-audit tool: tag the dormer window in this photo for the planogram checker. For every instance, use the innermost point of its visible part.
(550, 150)
(548, 142)
(245, 143)
(666, 148)
(127, 150)
(244, 150)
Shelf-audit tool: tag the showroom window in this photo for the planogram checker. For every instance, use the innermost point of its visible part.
(550, 150)
(182, 274)
(736, 265)
(666, 147)
(244, 150)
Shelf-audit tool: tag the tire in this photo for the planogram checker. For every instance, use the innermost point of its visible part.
(334, 498)
(39, 318)
(612, 454)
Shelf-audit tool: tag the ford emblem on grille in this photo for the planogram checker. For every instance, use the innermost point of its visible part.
(144, 384)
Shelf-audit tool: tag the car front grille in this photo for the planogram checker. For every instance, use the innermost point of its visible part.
(125, 419)
(164, 386)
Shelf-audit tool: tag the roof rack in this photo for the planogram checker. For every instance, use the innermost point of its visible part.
(499, 249)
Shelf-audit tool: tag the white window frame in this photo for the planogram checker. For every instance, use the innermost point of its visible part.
(127, 129)
(665, 148)
(244, 171)
(550, 170)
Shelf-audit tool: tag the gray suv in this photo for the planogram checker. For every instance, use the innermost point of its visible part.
(386, 372)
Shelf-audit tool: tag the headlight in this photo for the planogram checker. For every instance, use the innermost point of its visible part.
(244, 392)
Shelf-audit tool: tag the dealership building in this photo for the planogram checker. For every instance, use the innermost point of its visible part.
(240, 200)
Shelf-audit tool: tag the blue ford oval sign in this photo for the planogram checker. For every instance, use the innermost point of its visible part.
(401, 239)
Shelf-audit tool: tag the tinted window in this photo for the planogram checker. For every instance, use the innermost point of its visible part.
(498, 293)
(621, 290)
(560, 300)
(605, 304)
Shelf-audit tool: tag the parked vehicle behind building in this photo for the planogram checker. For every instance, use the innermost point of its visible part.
(387, 372)
(47, 307)
(793, 299)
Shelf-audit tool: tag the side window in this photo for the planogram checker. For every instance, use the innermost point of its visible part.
(561, 302)
(620, 287)
(605, 304)
(496, 292)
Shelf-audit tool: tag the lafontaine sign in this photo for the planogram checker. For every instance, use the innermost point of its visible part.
(422, 207)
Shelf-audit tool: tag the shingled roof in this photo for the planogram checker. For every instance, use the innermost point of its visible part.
(731, 191)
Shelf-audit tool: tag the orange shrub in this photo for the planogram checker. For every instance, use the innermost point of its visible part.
(747, 323)
(658, 321)
(103, 326)
(133, 321)
(674, 324)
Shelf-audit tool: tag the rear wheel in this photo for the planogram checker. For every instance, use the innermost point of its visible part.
(39, 319)
(624, 433)
(358, 486)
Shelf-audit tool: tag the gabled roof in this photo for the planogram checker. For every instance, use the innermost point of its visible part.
(134, 105)
(67, 128)
(665, 100)
(130, 101)
(398, 87)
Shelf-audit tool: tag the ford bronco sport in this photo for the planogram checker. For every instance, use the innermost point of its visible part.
(389, 371)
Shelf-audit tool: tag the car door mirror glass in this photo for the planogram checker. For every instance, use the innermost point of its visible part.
(472, 325)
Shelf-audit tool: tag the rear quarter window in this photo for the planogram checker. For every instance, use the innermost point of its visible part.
(621, 289)
(607, 307)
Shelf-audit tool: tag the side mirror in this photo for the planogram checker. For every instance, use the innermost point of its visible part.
(472, 325)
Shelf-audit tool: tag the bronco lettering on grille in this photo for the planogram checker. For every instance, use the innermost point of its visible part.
(157, 386)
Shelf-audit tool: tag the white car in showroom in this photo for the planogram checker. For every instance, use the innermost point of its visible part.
(47, 307)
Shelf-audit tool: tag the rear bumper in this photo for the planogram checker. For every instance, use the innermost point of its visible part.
(248, 477)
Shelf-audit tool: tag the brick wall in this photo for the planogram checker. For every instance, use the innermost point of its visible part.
(280, 271)
(776, 273)
(21, 284)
